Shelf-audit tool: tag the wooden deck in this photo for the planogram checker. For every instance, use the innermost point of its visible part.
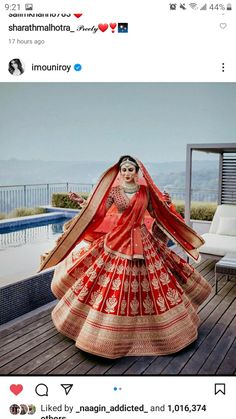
(31, 344)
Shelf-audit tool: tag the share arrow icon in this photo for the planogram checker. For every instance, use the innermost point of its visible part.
(67, 388)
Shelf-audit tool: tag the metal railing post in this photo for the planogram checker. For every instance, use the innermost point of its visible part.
(188, 187)
(48, 198)
(24, 196)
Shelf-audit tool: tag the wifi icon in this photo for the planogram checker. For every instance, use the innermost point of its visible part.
(193, 6)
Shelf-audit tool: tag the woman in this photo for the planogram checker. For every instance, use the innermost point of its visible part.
(15, 67)
(127, 293)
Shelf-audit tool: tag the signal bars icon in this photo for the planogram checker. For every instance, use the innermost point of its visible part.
(204, 7)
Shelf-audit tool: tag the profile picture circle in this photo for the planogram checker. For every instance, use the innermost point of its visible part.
(16, 67)
(23, 409)
(14, 409)
(31, 409)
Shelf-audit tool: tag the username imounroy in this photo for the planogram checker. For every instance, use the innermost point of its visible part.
(32, 27)
(51, 67)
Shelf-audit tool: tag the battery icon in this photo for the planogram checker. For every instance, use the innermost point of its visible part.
(229, 6)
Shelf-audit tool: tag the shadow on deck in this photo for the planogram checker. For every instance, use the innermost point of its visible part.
(32, 345)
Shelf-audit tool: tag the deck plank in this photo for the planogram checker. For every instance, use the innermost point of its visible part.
(205, 349)
(71, 362)
(29, 337)
(29, 318)
(101, 367)
(141, 365)
(121, 365)
(219, 353)
(229, 361)
(23, 349)
(50, 354)
(23, 330)
(50, 364)
(24, 363)
(86, 366)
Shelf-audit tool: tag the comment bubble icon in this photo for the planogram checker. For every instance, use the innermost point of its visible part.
(41, 390)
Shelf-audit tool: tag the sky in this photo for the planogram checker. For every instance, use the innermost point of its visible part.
(101, 121)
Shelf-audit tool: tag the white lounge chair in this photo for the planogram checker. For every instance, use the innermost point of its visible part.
(221, 238)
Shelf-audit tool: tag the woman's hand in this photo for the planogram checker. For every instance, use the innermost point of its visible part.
(167, 198)
(76, 198)
(43, 257)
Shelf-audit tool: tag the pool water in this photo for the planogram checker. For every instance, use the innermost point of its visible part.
(18, 236)
(20, 249)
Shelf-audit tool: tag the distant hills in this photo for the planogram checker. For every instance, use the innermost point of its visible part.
(169, 174)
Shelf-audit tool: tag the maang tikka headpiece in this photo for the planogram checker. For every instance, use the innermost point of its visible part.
(128, 161)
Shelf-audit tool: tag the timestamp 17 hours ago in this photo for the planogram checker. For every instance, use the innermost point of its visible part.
(26, 41)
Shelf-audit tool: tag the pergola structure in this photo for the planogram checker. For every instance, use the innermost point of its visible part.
(227, 172)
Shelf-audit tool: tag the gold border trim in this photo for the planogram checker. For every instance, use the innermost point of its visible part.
(81, 221)
(122, 255)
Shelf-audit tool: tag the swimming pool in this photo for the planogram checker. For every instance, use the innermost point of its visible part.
(20, 248)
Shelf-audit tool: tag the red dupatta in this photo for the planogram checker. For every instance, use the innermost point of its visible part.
(85, 223)
(89, 220)
(170, 221)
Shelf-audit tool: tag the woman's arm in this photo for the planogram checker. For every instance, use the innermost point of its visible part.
(110, 199)
(83, 202)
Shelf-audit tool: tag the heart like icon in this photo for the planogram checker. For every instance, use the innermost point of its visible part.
(223, 25)
(103, 27)
(16, 389)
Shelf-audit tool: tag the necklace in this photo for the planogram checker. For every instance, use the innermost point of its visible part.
(131, 189)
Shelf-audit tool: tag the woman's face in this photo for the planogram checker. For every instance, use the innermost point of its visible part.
(128, 172)
(14, 65)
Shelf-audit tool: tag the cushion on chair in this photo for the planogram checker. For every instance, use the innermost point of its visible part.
(227, 226)
(217, 244)
(225, 211)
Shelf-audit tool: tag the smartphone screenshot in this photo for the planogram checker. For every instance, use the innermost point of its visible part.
(117, 209)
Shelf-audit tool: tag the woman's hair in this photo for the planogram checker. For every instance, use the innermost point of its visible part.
(131, 159)
(11, 69)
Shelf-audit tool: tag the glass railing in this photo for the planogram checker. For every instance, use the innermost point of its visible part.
(34, 195)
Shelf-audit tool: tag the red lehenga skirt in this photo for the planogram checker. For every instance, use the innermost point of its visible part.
(115, 307)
